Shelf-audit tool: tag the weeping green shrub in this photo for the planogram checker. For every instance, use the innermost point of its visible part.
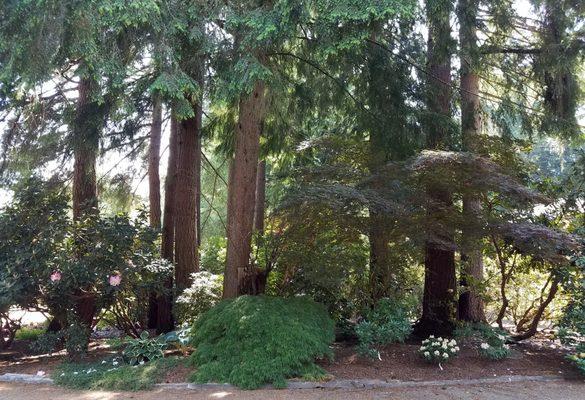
(255, 340)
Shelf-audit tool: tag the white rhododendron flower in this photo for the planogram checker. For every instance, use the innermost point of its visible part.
(485, 346)
(436, 352)
(427, 354)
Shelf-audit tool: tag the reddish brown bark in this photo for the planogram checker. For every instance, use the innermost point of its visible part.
(240, 276)
(471, 305)
(86, 130)
(188, 182)
(439, 297)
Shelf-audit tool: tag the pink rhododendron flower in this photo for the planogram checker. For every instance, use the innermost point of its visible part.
(115, 280)
(55, 276)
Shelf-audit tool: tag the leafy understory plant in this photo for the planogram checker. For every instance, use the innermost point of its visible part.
(143, 349)
(179, 339)
(578, 358)
(387, 323)
(251, 341)
(438, 350)
(579, 361)
(493, 345)
(490, 341)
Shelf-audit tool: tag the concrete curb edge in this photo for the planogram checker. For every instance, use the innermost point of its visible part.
(333, 384)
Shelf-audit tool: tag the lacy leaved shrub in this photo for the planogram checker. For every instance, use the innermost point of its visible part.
(255, 340)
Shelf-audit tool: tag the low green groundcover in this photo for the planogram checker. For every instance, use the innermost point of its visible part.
(255, 340)
(113, 374)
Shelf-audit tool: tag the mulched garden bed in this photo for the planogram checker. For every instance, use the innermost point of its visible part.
(402, 362)
(398, 362)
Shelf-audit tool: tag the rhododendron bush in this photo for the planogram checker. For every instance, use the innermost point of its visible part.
(50, 263)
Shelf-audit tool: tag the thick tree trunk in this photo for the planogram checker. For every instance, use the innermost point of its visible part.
(380, 229)
(86, 131)
(164, 303)
(240, 277)
(440, 287)
(85, 148)
(154, 191)
(188, 182)
(471, 306)
(260, 198)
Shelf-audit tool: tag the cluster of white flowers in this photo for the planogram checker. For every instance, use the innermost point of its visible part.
(438, 349)
(203, 284)
(160, 266)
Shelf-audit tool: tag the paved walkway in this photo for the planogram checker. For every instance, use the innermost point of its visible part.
(568, 390)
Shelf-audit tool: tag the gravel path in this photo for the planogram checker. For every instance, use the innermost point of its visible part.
(568, 390)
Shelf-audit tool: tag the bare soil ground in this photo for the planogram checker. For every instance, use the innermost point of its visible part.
(570, 390)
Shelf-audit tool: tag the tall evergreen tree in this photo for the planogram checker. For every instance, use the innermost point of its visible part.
(440, 286)
(471, 306)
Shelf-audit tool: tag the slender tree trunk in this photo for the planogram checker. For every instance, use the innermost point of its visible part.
(471, 306)
(168, 227)
(240, 277)
(164, 303)
(154, 162)
(260, 198)
(380, 269)
(188, 182)
(533, 327)
(439, 297)
(154, 190)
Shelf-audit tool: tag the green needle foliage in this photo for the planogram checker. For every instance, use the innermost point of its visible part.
(255, 340)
